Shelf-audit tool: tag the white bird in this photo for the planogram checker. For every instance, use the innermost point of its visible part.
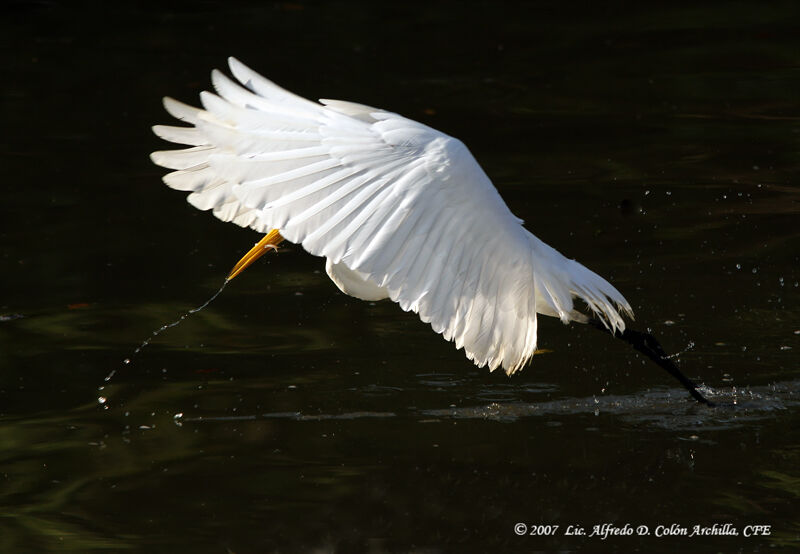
(399, 210)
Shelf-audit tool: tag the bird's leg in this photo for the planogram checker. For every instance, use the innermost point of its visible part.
(650, 347)
(270, 241)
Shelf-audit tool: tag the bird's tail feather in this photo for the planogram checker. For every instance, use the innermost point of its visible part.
(559, 280)
(604, 301)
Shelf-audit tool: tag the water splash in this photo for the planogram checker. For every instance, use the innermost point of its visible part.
(670, 408)
(176, 322)
(684, 351)
(154, 334)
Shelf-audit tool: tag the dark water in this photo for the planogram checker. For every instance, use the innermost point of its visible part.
(658, 145)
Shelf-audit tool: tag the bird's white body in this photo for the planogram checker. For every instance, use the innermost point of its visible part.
(398, 209)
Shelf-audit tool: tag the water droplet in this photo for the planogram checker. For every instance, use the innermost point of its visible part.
(101, 399)
(126, 361)
(738, 266)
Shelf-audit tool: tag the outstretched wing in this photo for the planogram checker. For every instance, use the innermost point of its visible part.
(405, 206)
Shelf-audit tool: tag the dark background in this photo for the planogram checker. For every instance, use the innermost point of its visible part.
(656, 143)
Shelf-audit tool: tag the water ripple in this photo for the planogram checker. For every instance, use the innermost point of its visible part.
(669, 409)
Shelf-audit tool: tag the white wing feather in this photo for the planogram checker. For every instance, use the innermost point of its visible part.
(399, 210)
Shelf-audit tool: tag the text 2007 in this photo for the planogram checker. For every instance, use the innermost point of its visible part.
(542, 530)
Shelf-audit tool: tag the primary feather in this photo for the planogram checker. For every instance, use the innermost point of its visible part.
(398, 209)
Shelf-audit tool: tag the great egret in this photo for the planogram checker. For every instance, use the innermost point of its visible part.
(398, 210)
